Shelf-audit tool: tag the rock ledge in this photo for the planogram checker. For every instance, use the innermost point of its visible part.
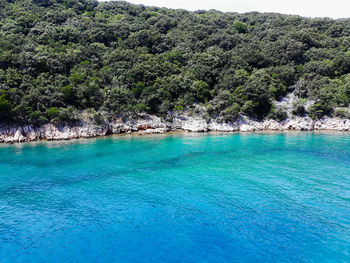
(149, 124)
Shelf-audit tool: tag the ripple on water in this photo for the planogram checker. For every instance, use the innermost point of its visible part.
(206, 198)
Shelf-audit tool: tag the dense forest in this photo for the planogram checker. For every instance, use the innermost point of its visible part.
(60, 58)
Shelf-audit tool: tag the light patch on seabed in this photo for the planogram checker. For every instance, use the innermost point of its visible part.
(271, 196)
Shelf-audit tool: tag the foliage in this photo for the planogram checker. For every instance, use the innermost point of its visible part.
(342, 113)
(241, 27)
(53, 113)
(58, 58)
(5, 106)
(299, 108)
(278, 114)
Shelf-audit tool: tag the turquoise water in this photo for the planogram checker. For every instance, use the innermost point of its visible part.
(177, 198)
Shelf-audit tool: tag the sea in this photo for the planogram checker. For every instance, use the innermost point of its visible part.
(259, 197)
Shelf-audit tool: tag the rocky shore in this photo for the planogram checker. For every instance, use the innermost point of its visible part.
(148, 124)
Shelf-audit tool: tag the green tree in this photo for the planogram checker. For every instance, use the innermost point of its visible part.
(5, 106)
(241, 27)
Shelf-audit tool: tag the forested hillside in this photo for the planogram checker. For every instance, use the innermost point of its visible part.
(59, 58)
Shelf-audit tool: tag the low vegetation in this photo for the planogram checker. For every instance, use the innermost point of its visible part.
(60, 57)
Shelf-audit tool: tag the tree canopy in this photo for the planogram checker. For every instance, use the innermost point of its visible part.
(60, 57)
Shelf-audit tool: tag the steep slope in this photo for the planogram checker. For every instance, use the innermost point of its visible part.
(61, 60)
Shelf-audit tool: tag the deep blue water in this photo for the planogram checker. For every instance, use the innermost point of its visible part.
(177, 198)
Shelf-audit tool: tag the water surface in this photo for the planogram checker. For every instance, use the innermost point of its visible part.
(177, 198)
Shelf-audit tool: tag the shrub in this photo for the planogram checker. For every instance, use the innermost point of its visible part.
(37, 117)
(53, 113)
(69, 93)
(241, 27)
(277, 114)
(98, 118)
(231, 113)
(299, 108)
(201, 91)
(341, 113)
(67, 115)
(140, 107)
(318, 110)
(178, 108)
(5, 106)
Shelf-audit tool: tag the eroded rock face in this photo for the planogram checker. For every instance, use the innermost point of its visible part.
(154, 131)
(148, 124)
(333, 124)
(194, 125)
(299, 124)
(188, 123)
(222, 126)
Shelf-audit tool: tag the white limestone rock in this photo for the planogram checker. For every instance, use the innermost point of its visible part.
(118, 126)
(155, 131)
(222, 126)
(299, 124)
(195, 125)
(247, 128)
(148, 124)
(333, 124)
(272, 125)
(18, 137)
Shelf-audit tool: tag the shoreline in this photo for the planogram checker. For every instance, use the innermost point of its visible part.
(148, 124)
(184, 133)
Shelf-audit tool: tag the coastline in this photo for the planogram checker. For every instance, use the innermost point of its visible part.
(149, 124)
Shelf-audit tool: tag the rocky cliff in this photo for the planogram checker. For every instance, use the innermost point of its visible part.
(148, 124)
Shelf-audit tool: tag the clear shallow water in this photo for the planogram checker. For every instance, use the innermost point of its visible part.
(177, 198)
